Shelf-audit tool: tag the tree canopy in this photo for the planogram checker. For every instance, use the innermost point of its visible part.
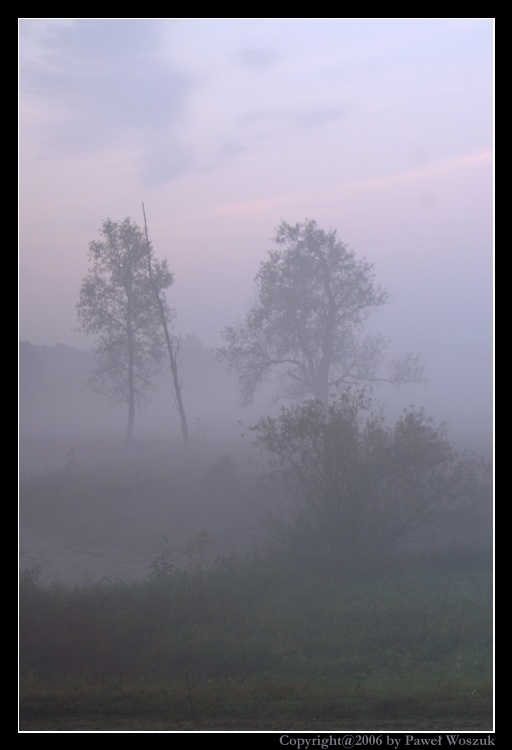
(117, 303)
(313, 297)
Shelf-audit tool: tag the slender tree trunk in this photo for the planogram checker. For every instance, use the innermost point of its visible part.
(177, 385)
(131, 395)
(131, 421)
(325, 363)
(321, 389)
(172, 351)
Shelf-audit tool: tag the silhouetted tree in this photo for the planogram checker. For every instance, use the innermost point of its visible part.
(117, 303)
(313, 297)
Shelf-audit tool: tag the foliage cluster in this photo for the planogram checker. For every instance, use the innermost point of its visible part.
(361, 487)
(117, 304)
(306, 324)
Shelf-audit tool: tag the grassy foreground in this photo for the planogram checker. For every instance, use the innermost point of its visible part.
(260, 645)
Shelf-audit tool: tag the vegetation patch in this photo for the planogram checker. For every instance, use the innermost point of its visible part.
(205, 648)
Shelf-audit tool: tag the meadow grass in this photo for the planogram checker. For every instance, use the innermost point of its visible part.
(261, 644)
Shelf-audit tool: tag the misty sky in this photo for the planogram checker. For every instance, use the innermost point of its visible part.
(380, 128)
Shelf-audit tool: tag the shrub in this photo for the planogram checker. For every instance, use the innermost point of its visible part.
(360, 486)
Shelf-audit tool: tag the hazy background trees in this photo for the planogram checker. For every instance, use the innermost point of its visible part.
(306, 324)
(117, 304)
(31, 374)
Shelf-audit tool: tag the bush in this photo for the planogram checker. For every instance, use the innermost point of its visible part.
(360, 487)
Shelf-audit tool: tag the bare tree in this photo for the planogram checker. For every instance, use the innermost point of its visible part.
(173, 346)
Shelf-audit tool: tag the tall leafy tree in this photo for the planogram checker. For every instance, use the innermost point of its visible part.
(313, 297)
(117, 303)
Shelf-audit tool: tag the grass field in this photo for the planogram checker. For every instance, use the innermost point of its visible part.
(265, 643)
